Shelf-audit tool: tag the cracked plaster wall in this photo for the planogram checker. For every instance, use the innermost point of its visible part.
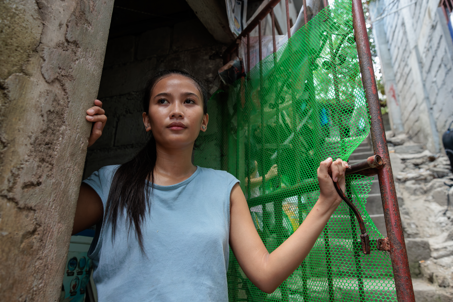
(50, 66)
(129, 62)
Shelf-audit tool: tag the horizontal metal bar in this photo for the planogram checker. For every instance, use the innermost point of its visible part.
(372, 162)
(368, 167)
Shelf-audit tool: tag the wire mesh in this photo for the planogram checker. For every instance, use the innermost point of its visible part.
(295, 108)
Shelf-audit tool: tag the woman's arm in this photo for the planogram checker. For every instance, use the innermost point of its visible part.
(268, 271)
(257, 181)
(89, 209)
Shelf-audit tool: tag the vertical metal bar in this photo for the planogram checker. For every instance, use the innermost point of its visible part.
(444, 9)
(261, 165)
(326, 3)
(329, 265)
(305, 11)
(277, 103)
(398, 255)
(305, 292)
(248, 53)
(449, 5)
(274, 43)
(225, 126)
(249, 128)
(356, 246)
(288, 24)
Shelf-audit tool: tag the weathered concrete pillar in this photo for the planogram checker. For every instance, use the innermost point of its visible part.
(416, 41)
(51, 58)
(382, 47)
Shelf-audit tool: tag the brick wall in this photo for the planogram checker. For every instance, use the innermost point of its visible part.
(130, 61)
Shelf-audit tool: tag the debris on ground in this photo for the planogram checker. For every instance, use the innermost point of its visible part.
(424, 184)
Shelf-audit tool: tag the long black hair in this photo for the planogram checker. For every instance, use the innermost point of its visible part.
(129, 191)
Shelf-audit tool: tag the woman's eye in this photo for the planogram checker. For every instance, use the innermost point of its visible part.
(162, 101)
(189, 101)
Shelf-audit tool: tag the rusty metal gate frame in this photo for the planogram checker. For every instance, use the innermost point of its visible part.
(394, 243)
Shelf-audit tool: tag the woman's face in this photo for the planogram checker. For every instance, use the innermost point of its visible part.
(175, 114)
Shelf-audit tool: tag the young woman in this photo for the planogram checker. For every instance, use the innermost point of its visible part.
(165, 226)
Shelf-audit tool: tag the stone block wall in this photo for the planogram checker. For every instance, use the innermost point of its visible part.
(129, 62)
(421, 51)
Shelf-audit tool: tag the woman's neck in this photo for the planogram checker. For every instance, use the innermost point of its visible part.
(173, 165)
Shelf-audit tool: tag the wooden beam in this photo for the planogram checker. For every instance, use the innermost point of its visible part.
(213, 16)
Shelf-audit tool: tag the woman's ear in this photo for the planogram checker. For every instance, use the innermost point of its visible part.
(146, 122)
(204, 123)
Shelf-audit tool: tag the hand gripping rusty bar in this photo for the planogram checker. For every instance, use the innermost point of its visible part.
(372, 162)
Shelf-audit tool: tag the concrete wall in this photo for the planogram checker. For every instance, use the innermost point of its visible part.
(421, 54)
(130, 61)
(50, 66)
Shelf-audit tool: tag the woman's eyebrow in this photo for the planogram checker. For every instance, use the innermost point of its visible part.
(168, 94)
(191, 94)
(162, 94)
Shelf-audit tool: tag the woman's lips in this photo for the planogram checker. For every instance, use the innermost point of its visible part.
(177, 126)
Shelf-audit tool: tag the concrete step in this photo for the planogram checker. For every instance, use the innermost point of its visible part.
(427, 292)
(363, 149)
(379, 222)
(374, 185)
(373, 204)
(365, 144)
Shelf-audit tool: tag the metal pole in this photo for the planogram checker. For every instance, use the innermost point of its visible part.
(261, 166)
(248, 53)
(305, 11)
(288, 24)
(356, 247)
(398, 255)
(274, 43)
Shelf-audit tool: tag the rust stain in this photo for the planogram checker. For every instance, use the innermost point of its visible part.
(373, 84)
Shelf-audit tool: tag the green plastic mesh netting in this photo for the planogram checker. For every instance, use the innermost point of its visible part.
(294, 109)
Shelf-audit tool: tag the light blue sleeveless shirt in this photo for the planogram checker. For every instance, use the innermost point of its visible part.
(186, 240)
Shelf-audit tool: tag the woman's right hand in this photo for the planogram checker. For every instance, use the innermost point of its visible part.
(96, 115)
(331, 170)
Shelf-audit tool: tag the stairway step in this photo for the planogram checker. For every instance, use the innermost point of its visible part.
(374, 204)
(360, 155)
(427, 292)
(379, 222)
(363, 149)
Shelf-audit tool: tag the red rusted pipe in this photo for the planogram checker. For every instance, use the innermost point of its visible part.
(248, 53)
(372, 162)
(305, 11)
(288, 24)
(260, 42)
(274, 43)
(398, 255)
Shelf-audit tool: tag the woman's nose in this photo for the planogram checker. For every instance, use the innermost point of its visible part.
(176, 111)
